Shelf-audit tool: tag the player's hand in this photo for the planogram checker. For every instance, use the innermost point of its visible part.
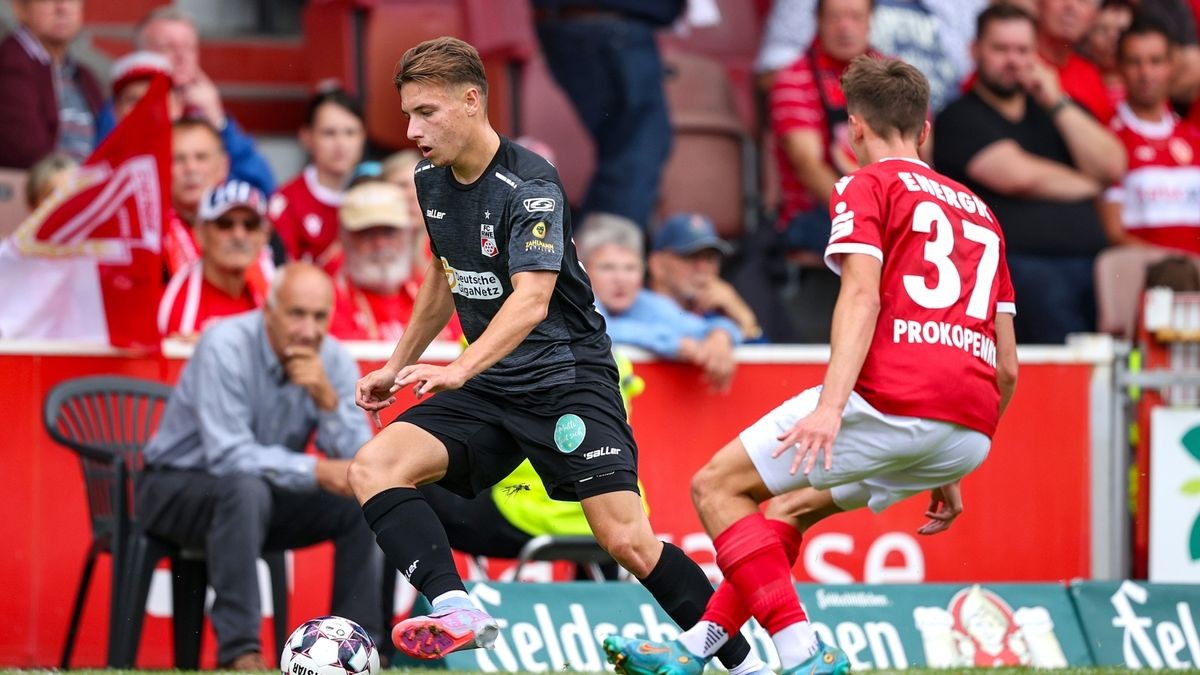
(429, 379)
(375, 391)
(945, 504)
(1042, 83)
(304, 368)
(333, 476)
(811, 436)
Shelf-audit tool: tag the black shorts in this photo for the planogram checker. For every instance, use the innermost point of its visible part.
(575, 436)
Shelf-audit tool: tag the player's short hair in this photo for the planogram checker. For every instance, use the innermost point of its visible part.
(1001, 12)
(1143, 25)
(163, 13)
(444, 61)
(821, 7)
(891, 96)
(601, 229)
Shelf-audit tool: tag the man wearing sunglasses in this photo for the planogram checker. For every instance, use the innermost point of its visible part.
(231, 231)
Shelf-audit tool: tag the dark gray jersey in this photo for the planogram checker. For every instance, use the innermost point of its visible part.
(512, 219)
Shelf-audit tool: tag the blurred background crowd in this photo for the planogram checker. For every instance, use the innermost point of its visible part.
(698, 141)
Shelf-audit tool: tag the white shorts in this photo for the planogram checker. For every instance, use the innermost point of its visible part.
(878, 459)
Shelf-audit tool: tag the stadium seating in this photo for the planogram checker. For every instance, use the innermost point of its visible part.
(713, 166)
(545, 113)
(583, 550)
(107, 420)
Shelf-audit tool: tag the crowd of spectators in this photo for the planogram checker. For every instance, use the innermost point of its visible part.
(1074, 119)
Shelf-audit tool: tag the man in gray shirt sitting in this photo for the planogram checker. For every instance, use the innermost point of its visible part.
(227, 472)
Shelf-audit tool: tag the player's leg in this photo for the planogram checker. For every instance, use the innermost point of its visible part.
(582, 447)
(427, 443)
(750, 550)
(789, 515)
(678, 584)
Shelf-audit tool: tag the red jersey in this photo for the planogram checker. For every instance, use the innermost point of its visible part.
(801, 98)
(1160, 193)
(944, 278)
(305, 214)
(1082, 81)
(359, 314)
(190, 303)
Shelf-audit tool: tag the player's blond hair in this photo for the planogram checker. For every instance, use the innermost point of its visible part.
(891, 96)
(443, 60)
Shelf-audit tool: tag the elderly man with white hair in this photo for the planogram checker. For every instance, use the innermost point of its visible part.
(378, 276)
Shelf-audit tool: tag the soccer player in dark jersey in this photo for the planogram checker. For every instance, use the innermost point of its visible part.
(538, 379)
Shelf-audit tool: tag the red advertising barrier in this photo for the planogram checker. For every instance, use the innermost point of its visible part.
(1026, 510)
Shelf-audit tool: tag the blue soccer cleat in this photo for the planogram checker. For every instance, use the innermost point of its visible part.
(828, 660)
(642, 657)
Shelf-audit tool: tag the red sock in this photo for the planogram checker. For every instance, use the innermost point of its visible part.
(726, 608)
(751, 555)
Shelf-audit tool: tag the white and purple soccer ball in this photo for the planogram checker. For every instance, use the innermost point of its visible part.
(329, 645)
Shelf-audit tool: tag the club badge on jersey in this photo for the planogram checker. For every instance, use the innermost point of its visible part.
(487, 240)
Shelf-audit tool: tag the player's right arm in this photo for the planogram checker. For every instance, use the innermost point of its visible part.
(431, 312)
(854, 318)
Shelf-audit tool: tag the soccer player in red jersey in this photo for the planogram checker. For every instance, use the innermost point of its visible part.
(923, 362)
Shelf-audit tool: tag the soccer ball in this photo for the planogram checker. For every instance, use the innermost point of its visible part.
(329, 645)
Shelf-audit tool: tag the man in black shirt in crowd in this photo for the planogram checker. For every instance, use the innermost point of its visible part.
(1040, 160)
(538, 379)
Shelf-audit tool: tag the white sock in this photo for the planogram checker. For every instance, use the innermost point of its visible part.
(795, 644)
(704, 639)
(751, 664)
(453, 599)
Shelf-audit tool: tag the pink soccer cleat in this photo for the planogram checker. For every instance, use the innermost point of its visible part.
(434, 636)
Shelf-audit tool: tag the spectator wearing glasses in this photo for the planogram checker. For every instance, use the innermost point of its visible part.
(231, 232)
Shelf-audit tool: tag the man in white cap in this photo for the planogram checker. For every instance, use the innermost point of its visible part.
(231, 231)
(375, 282)
(131, 77)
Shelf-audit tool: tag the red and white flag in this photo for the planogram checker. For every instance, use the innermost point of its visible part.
(87, 264)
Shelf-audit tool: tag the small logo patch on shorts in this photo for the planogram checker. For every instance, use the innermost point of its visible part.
(569, 433)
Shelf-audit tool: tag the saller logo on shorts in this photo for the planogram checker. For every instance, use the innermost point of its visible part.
(569, 433)
(537, 204)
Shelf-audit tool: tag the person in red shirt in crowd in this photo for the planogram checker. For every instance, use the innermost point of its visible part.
(231, 233)
(305, 210)
(808, 117)
(1158, 201)
(923, 363)
(1061, 24)
(378, 277)
(1100, 44)
(809, 120)
(131, 76)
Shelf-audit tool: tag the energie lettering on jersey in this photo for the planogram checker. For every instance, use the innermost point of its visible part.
(944, 278)
(511, 220)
